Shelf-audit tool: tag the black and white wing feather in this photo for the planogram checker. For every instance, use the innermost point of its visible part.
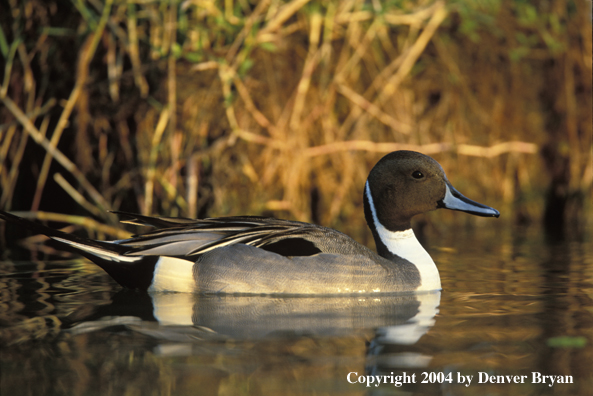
(187, 238)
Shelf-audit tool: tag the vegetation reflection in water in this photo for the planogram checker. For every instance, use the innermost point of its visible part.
(523, 306)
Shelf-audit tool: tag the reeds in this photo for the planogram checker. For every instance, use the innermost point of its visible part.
(217, 108)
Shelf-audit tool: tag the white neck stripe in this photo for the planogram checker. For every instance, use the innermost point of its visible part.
(385, 234)
(405, 245)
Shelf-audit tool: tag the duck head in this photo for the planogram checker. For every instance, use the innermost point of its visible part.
(406, 183)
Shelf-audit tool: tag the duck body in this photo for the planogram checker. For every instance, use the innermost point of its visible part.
(280, 257)
(258, 255)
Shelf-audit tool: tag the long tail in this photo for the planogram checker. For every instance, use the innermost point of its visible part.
(134, 272)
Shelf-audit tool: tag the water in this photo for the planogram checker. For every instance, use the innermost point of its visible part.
(514, 307)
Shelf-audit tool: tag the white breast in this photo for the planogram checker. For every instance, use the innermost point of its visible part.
(405, 245)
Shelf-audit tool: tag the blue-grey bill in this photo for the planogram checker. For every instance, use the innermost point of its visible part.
(454, 200)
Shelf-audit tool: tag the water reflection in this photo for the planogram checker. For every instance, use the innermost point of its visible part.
(396, 319)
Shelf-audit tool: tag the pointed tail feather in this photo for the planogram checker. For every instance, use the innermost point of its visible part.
(134, 272)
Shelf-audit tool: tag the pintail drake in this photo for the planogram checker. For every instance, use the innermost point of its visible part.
(258, 255)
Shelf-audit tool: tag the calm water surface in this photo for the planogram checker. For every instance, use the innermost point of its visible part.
(513, 304)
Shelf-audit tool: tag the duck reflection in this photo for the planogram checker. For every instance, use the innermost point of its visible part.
(175, 319)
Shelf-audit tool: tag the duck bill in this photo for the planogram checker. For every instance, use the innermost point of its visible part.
(454, 200)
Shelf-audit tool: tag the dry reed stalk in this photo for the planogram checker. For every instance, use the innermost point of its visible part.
(134, 51)
(311, 62)
(78, 197)
(84, 221)
(6, 137)
(155, 146)
(114, 67)
(171, 30)
(433, 148)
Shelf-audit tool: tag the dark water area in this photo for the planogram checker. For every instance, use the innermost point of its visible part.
(515, 310)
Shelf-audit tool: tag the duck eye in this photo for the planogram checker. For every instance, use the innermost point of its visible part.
(417, 175)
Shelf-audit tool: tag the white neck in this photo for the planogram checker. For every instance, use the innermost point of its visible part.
(405, 245)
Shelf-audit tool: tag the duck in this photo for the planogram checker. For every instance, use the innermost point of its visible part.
(256, 255)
